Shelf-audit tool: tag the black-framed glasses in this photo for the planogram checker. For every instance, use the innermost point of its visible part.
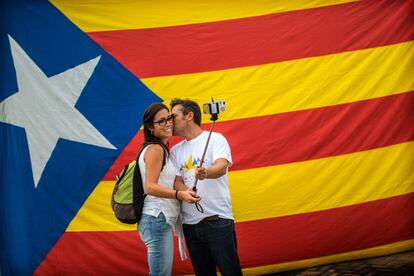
(163, 121)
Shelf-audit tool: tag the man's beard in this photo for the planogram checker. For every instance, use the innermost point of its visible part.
(178, 131)
(174, 132)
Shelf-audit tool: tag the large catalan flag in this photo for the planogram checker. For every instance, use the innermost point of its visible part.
(320, 119)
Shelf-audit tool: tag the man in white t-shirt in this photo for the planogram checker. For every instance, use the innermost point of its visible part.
(209, 229)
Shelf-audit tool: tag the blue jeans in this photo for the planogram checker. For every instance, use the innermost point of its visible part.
(211, 244)
(157, 236)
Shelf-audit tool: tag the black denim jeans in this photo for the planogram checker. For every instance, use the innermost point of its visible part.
(211, 244)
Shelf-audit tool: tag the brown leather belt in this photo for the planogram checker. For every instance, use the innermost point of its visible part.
(210, 218)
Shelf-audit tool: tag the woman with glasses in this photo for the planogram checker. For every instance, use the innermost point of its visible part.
(161, 209)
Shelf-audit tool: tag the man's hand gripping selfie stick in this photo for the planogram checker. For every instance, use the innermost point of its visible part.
(213, 108)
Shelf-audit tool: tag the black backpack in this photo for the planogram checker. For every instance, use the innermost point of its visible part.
(128, 195)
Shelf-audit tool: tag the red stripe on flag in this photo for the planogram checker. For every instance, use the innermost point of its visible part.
(96, 253)
(261, 242)
(327, 232)
(103, 253)
(309, 134)
(260, 40)
(322, 132)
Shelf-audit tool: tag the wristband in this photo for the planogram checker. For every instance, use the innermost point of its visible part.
(176, 194)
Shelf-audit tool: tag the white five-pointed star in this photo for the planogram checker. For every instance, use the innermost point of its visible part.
(45, 108)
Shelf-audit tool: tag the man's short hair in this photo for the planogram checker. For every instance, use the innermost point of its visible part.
(188, 105)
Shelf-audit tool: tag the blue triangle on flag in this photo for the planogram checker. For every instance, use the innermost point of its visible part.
(34, 214)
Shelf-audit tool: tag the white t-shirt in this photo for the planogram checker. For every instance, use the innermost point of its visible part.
(214, 193)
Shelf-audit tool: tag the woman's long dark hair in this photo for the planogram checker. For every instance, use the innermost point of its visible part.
(148, 122)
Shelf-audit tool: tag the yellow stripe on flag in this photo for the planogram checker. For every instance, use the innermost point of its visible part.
(296, 85)
(92, 16)
(289, 189)
(339, 181)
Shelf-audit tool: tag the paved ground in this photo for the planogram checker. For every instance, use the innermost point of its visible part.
(396, 264)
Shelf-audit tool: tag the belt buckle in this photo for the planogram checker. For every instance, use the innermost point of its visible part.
(210, 218)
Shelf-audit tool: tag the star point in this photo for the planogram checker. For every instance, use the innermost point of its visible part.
(45, 108)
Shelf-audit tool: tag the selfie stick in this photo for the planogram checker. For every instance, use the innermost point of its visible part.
(205, 148)
(213, 118)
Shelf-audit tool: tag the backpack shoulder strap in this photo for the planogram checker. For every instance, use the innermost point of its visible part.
(138, 187)
(138, 194)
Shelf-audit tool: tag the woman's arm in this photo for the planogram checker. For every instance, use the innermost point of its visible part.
(153, 159)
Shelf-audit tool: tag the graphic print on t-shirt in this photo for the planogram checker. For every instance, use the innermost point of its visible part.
(187, 169)
(190, 164)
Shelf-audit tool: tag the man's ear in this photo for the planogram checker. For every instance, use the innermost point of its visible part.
(190, 116)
